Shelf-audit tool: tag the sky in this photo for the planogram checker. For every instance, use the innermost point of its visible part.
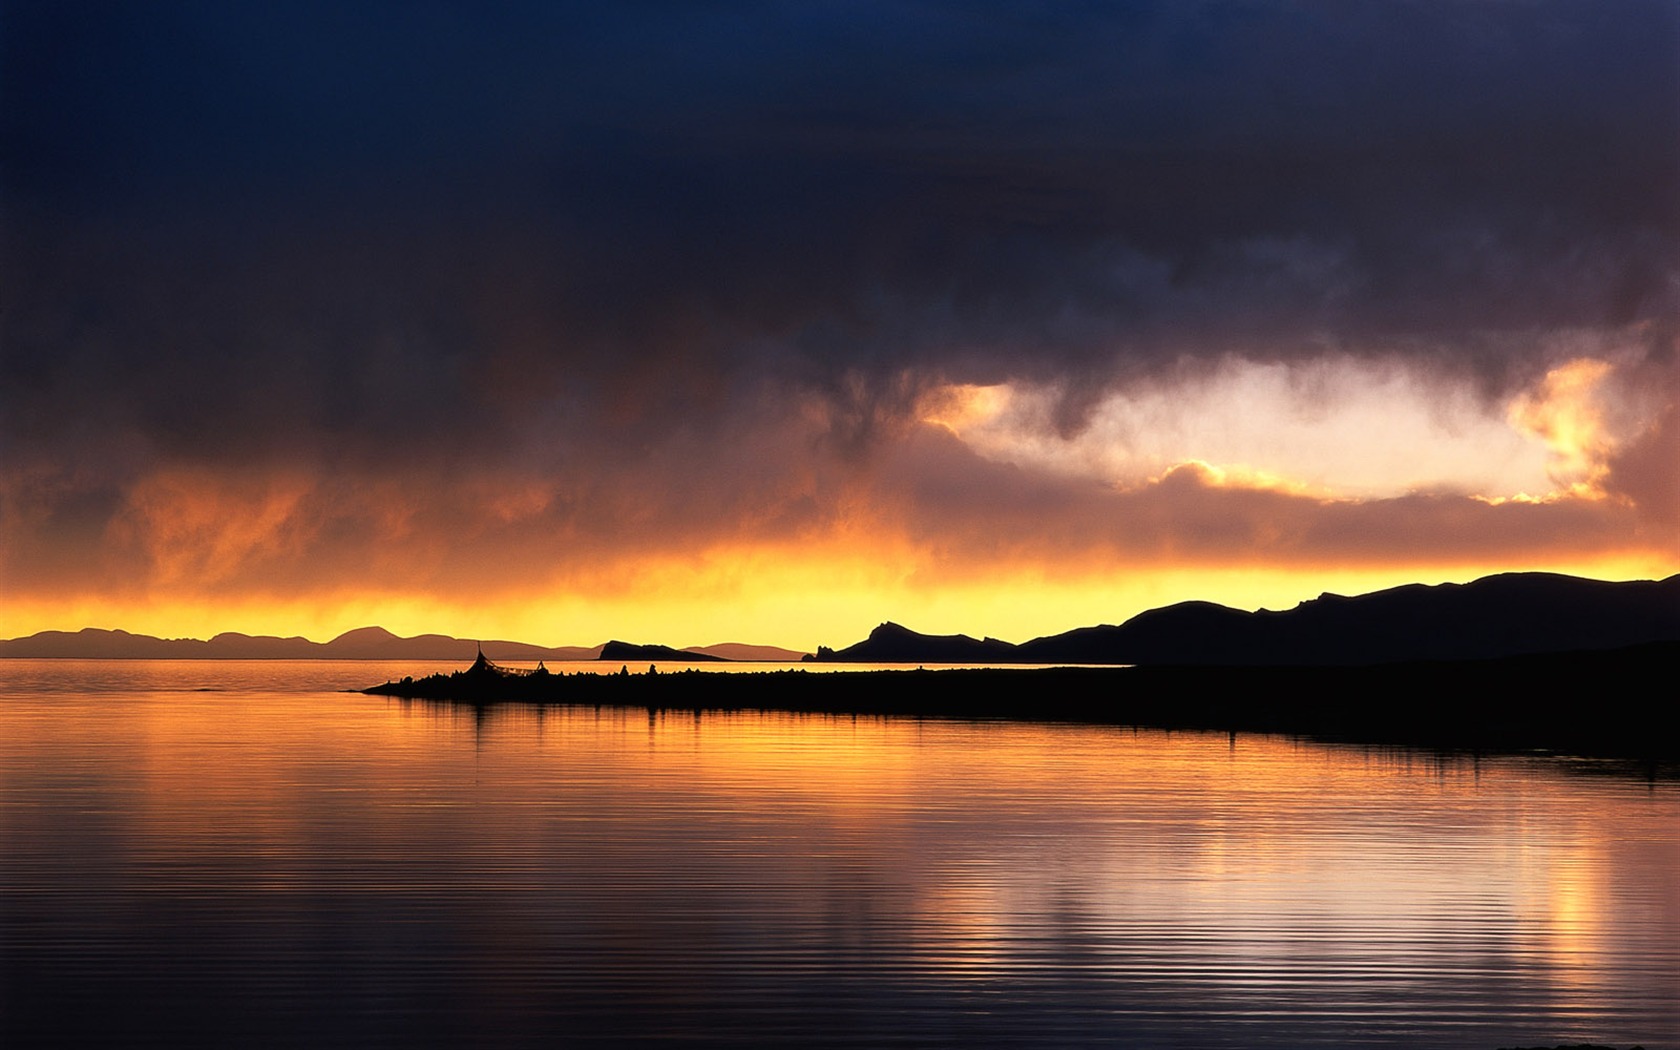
(699, 322)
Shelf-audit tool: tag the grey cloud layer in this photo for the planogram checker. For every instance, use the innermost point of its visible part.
(559, 239)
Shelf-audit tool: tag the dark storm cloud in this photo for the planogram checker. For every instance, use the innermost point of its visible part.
(346, 234)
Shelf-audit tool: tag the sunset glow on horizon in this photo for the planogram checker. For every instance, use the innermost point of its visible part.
(793, 604)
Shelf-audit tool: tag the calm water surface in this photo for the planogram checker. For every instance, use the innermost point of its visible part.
(221, 854)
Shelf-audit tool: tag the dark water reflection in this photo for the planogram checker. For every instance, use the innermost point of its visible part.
(230, 855)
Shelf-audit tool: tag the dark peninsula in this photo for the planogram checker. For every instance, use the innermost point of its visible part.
(1615, 703)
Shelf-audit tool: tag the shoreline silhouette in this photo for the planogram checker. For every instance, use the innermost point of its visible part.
(1606, 703)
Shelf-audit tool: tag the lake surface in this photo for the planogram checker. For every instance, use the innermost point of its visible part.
(220, 854)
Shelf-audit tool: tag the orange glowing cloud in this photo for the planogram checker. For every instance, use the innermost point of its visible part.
(1330, 428)
(932, 534)
(1566, 413)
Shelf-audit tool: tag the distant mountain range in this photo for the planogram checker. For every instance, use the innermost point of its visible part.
(365, 643)
(1506, 615)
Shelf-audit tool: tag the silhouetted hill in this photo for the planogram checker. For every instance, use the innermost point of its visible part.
(1506, 615)
(616, 650)
(891, 643)
(96, 644)
(363, 643)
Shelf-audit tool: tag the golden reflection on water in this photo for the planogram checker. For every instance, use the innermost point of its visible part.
(1249, 876)
(1254, 849)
